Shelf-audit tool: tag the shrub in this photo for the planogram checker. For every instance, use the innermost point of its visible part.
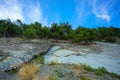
(29, 33)
(84, 78)
(114, 75)
(0, 35)
(100, 71)
(28, 71)
(110, 39)
(87, 67)
(39, 59)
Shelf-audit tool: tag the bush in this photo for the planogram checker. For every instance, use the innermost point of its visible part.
(39, 58)
(29, 33)
(100, 71)
(110, 39)
(0, 35)
(87, 67)
(84, 78)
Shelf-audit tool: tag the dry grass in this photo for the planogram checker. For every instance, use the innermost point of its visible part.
(53, 77)
(53, 62)
(45, 76)
(78, 70)
(28, 72)
(48, 76)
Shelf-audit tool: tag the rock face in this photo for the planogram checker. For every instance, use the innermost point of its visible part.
(98, 55)
(19, 52)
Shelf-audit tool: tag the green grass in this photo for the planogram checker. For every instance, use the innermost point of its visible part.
(84, 78)
(59, 72)
(99, 71)
(114, 75)
(87, 67)
(39, 58)
(12, 71)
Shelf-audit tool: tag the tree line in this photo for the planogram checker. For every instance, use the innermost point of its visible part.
(61, 31)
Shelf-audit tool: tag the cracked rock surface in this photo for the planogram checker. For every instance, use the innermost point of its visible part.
(13, 51)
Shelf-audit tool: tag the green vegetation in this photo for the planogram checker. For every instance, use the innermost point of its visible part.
(87, 67)
(39, 58)
(99, 71)
(12, 71)
(62, 31)
(29, 33)
(58, 72)
(110, 39)
(84, 78)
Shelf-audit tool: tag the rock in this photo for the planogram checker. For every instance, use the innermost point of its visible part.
(65, 52)
(9, 63)
(20, 53)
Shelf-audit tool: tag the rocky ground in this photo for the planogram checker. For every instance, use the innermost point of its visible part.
(14, 52)
(61, 72)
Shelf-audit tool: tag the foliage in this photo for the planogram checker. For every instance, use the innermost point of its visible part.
(39, 58)
(87, 67)
(110, 39)
(57, 31)
(29, 33)
(12, 71)
(100, 71)
(84, 78)
(114, 75)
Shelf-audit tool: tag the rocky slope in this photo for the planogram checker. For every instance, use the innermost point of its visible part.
(14, 51)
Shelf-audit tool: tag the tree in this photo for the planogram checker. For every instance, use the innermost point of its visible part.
(54, 31)
(65, 28)
(30, 33)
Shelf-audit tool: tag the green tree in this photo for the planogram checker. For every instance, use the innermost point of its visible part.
(30, 33)
(54, 31)
(65, 28)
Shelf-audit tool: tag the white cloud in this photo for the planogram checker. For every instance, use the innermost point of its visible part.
(35, 14)
(11, 9)
(100, 11)
(14, 9)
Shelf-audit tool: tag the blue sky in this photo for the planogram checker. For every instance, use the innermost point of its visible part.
(88, 13)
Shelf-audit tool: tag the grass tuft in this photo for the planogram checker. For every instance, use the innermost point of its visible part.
(87, 67)
(39, 59)
(84, 78)
(28, 71)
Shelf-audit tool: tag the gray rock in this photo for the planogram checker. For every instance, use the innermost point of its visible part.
(20, 53)
(9, 63)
